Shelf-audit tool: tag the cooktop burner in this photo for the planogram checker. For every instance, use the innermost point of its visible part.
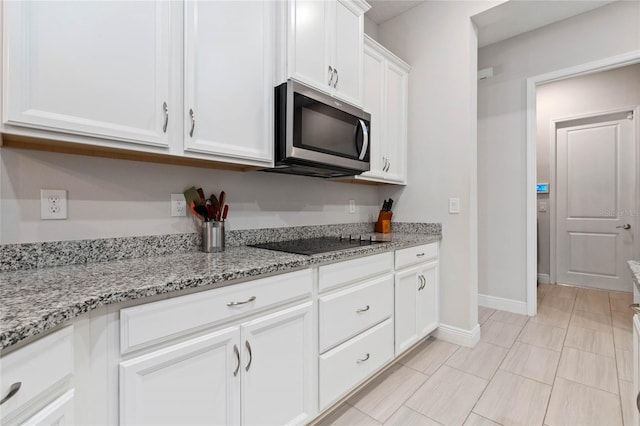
(320, 245)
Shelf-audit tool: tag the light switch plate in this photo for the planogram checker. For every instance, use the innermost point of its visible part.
(53, 204)
(352, 206)
(542, 206)
(454, 205)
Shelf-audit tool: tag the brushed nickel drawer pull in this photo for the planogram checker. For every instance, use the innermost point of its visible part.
(246, 343)
(165, 108)
(360, 361)
(635, 307)
(365, 309)
(249, 300)
(237, 352)
(419, 254)
(13, 389)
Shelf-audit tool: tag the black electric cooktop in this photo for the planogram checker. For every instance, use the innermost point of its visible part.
(311, 246)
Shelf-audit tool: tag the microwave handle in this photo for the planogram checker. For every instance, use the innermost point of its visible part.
(365, 140)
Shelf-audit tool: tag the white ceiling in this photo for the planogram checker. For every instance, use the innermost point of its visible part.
(499, 23)
(383, 10)
(519, 16)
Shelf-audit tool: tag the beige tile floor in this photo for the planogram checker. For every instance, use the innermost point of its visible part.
(569, 365)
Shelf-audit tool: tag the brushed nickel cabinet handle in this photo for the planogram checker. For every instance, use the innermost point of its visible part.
(193, 122)
(249, 300)
(361, 360)
(13, 389)
(419, 254)
(331, 73)
(237, 352)
(165, 108)
(365, 309)
(625, 226)
(388, 165)
(337, 78)
(638, 402)
(635, 307)
(246, 343)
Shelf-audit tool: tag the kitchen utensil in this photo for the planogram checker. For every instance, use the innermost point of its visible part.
(193, 211)
(202, 211)
(201, 194)
(214, 201)
(211, 211)
(191, 195)
(225, 212)
(222, 199)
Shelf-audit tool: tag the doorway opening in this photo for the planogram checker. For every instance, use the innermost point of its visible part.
(584, 145)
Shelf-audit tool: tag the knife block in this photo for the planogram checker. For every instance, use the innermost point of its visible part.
(383, 224)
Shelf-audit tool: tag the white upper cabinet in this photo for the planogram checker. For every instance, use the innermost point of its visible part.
(229, 78)
(324, 46)
(90, 68)
(386, 82)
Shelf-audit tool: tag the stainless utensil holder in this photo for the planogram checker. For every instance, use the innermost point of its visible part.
(212, 237)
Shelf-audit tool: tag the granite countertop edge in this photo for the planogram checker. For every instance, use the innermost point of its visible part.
(32, 298)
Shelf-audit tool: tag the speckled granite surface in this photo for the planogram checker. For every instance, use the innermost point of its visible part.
(14, 257)
(634, 265)
(36, 300)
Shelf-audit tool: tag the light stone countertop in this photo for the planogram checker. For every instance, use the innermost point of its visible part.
(36, 300)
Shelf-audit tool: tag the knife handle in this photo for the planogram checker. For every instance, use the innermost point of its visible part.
(225, 211)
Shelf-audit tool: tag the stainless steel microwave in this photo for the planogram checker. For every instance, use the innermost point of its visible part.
(318, 135)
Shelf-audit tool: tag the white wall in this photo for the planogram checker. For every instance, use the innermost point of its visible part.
(113, 198)
(603, 32)
(438, 41)
(589, 94)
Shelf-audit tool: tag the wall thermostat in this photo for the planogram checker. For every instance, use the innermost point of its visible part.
(542, 188)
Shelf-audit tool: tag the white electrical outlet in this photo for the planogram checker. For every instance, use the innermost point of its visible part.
(53, 204)
(178, 205)
(352, 206)
(454, 205)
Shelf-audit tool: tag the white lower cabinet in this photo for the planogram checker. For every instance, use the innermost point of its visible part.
(59, 413)
(188, 383)
(416, 300)
(259, 372)
(636, 366)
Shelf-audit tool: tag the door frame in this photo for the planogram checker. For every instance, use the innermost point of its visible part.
(553, 200)
(604, 64)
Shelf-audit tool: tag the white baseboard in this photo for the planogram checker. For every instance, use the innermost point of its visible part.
(501, 304)
(458, 336)
(544, 278)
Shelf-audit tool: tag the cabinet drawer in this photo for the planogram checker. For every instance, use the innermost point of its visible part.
(349, 364)
(348, 312)
(337, 274)
(145, 325)
(418, 254)
(40, 367)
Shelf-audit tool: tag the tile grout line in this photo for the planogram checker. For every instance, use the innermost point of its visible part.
(555, 376)
(615, 353)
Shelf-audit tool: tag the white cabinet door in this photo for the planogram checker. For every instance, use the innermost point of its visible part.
(229, 78)
(427, 297)
(278, 385)
(395, 129)
(406, 308)
(59, 413)
(347, 51)
(309, 38)
(373, 102)
(97, 68)
(192, 383)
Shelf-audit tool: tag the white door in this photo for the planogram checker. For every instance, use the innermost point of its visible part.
(97, 68)
(395, 121)
(278, 367)
(428, 315)
(196, 382)
(309, 38)
(596, 187)
(348, 50)
(406, 308)
(229, 79)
